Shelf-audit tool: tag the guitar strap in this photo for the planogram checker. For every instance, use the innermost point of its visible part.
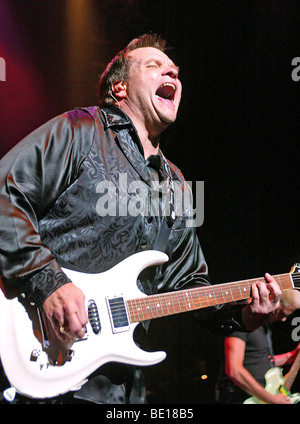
(163, 236)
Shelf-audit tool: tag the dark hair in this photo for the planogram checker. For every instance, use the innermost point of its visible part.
(118, 68)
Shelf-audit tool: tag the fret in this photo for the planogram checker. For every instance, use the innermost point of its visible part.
(185, 301)
(226, 293)
(155, 309)
(188, 300)
(173, 303)
(132, 310)
(245, 289)
(148, 307)
(197, 300)
(236, 292)
(284, 281)
(209, 297)
(178, 296)
(165, 304)
(144, 308)
(241, 291)
(169, 304)
(139, 309)
(158, 307)
(217, 294)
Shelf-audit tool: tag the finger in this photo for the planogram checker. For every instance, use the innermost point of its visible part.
(274, 290)
(76, 325)
(260, 302)
(262, 292)
(76, 312)
(76, 317)
(272, 284)
(254, 292)
(56, 326)
(66, 325)
(82, 315)
(269, 277)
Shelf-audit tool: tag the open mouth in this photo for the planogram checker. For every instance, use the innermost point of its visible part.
(166, 92)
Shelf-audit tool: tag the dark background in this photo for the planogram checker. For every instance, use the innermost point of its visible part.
(237, 131)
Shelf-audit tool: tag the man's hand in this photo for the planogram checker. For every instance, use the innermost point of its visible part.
(280, 399)
(65, 309)
(264, 301)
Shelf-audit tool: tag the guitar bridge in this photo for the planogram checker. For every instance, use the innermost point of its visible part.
(118, 314)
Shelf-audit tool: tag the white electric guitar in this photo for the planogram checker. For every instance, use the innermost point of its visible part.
(38, 365)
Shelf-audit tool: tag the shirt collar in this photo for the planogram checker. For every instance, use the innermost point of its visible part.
(155, 161)
(115, 117)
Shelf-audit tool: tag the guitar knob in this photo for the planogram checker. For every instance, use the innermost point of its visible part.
(69, 355)
(34, 355)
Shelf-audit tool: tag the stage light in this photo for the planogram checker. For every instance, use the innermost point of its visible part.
(80, 33)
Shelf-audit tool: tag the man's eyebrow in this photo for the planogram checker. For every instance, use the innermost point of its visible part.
(158, 60)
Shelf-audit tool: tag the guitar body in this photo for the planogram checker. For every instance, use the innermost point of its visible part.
(38, 365)
(274, 380)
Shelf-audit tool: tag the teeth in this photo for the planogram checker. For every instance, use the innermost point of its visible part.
(169, 84)
(166, 90)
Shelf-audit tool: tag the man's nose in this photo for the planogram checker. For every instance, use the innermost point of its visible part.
(171, 71)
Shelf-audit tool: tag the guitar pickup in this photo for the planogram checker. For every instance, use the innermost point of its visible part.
(118, 314)
(93, 317)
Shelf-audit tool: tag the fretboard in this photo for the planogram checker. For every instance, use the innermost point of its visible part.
(180, 301)
(292, 374)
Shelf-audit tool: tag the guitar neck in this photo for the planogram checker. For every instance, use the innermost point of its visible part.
(161, 305)
(292, 374)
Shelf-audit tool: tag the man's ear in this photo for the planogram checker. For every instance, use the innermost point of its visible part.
(119, 88)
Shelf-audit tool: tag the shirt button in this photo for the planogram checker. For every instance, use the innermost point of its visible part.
(143, 246)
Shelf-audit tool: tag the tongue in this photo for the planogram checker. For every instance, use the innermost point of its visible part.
(165, 91)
